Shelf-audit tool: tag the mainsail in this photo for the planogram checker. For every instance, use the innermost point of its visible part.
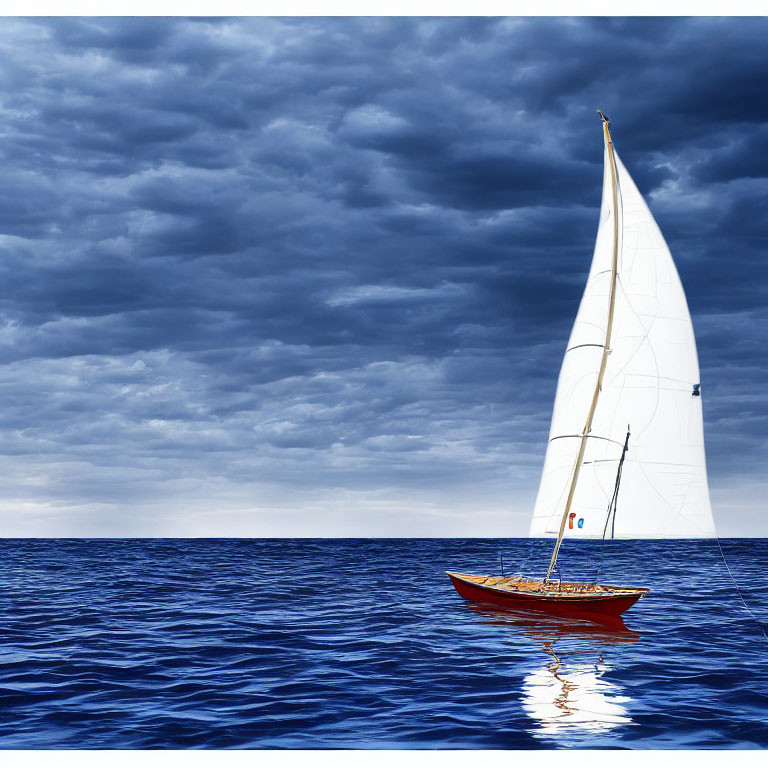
(650, 388)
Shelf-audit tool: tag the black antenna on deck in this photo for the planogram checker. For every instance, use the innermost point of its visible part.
(611, 516)
(614, 499)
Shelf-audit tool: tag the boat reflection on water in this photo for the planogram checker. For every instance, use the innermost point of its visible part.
(567, 698)
(568, 693)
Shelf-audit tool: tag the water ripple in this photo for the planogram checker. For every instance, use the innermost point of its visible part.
(364, 644)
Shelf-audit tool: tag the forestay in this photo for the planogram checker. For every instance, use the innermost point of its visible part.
(651, 378)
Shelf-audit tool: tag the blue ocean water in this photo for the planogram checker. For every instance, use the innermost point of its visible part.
(364, 644)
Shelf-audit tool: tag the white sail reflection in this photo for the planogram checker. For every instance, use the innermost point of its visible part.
(571, 699)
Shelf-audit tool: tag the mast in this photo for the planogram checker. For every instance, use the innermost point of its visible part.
(606, 346)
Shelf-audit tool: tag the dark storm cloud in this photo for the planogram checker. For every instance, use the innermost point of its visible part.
(339, 256)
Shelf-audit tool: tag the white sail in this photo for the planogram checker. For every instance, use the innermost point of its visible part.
(650, 378)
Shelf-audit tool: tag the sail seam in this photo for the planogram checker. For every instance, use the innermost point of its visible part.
(579, 346)
(588, 437)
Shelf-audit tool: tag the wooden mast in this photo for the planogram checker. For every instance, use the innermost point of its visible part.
(606, 346)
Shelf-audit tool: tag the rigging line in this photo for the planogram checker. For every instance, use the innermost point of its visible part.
(763, 626)
(644, 340)
(660, 494)
(532, 549)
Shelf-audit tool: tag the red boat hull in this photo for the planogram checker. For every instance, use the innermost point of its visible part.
(598, 608)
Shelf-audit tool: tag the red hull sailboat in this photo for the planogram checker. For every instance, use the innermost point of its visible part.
(594, 602)
(595, 445)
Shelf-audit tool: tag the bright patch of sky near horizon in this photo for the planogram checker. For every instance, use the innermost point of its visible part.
(284, 277)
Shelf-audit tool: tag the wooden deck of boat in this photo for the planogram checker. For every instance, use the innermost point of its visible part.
(551, 589)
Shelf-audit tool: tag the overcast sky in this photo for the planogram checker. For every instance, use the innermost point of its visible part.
(315, 277)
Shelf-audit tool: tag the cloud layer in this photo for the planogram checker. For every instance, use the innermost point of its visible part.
(315, 276)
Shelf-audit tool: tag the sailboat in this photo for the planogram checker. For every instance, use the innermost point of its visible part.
(625, 456)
